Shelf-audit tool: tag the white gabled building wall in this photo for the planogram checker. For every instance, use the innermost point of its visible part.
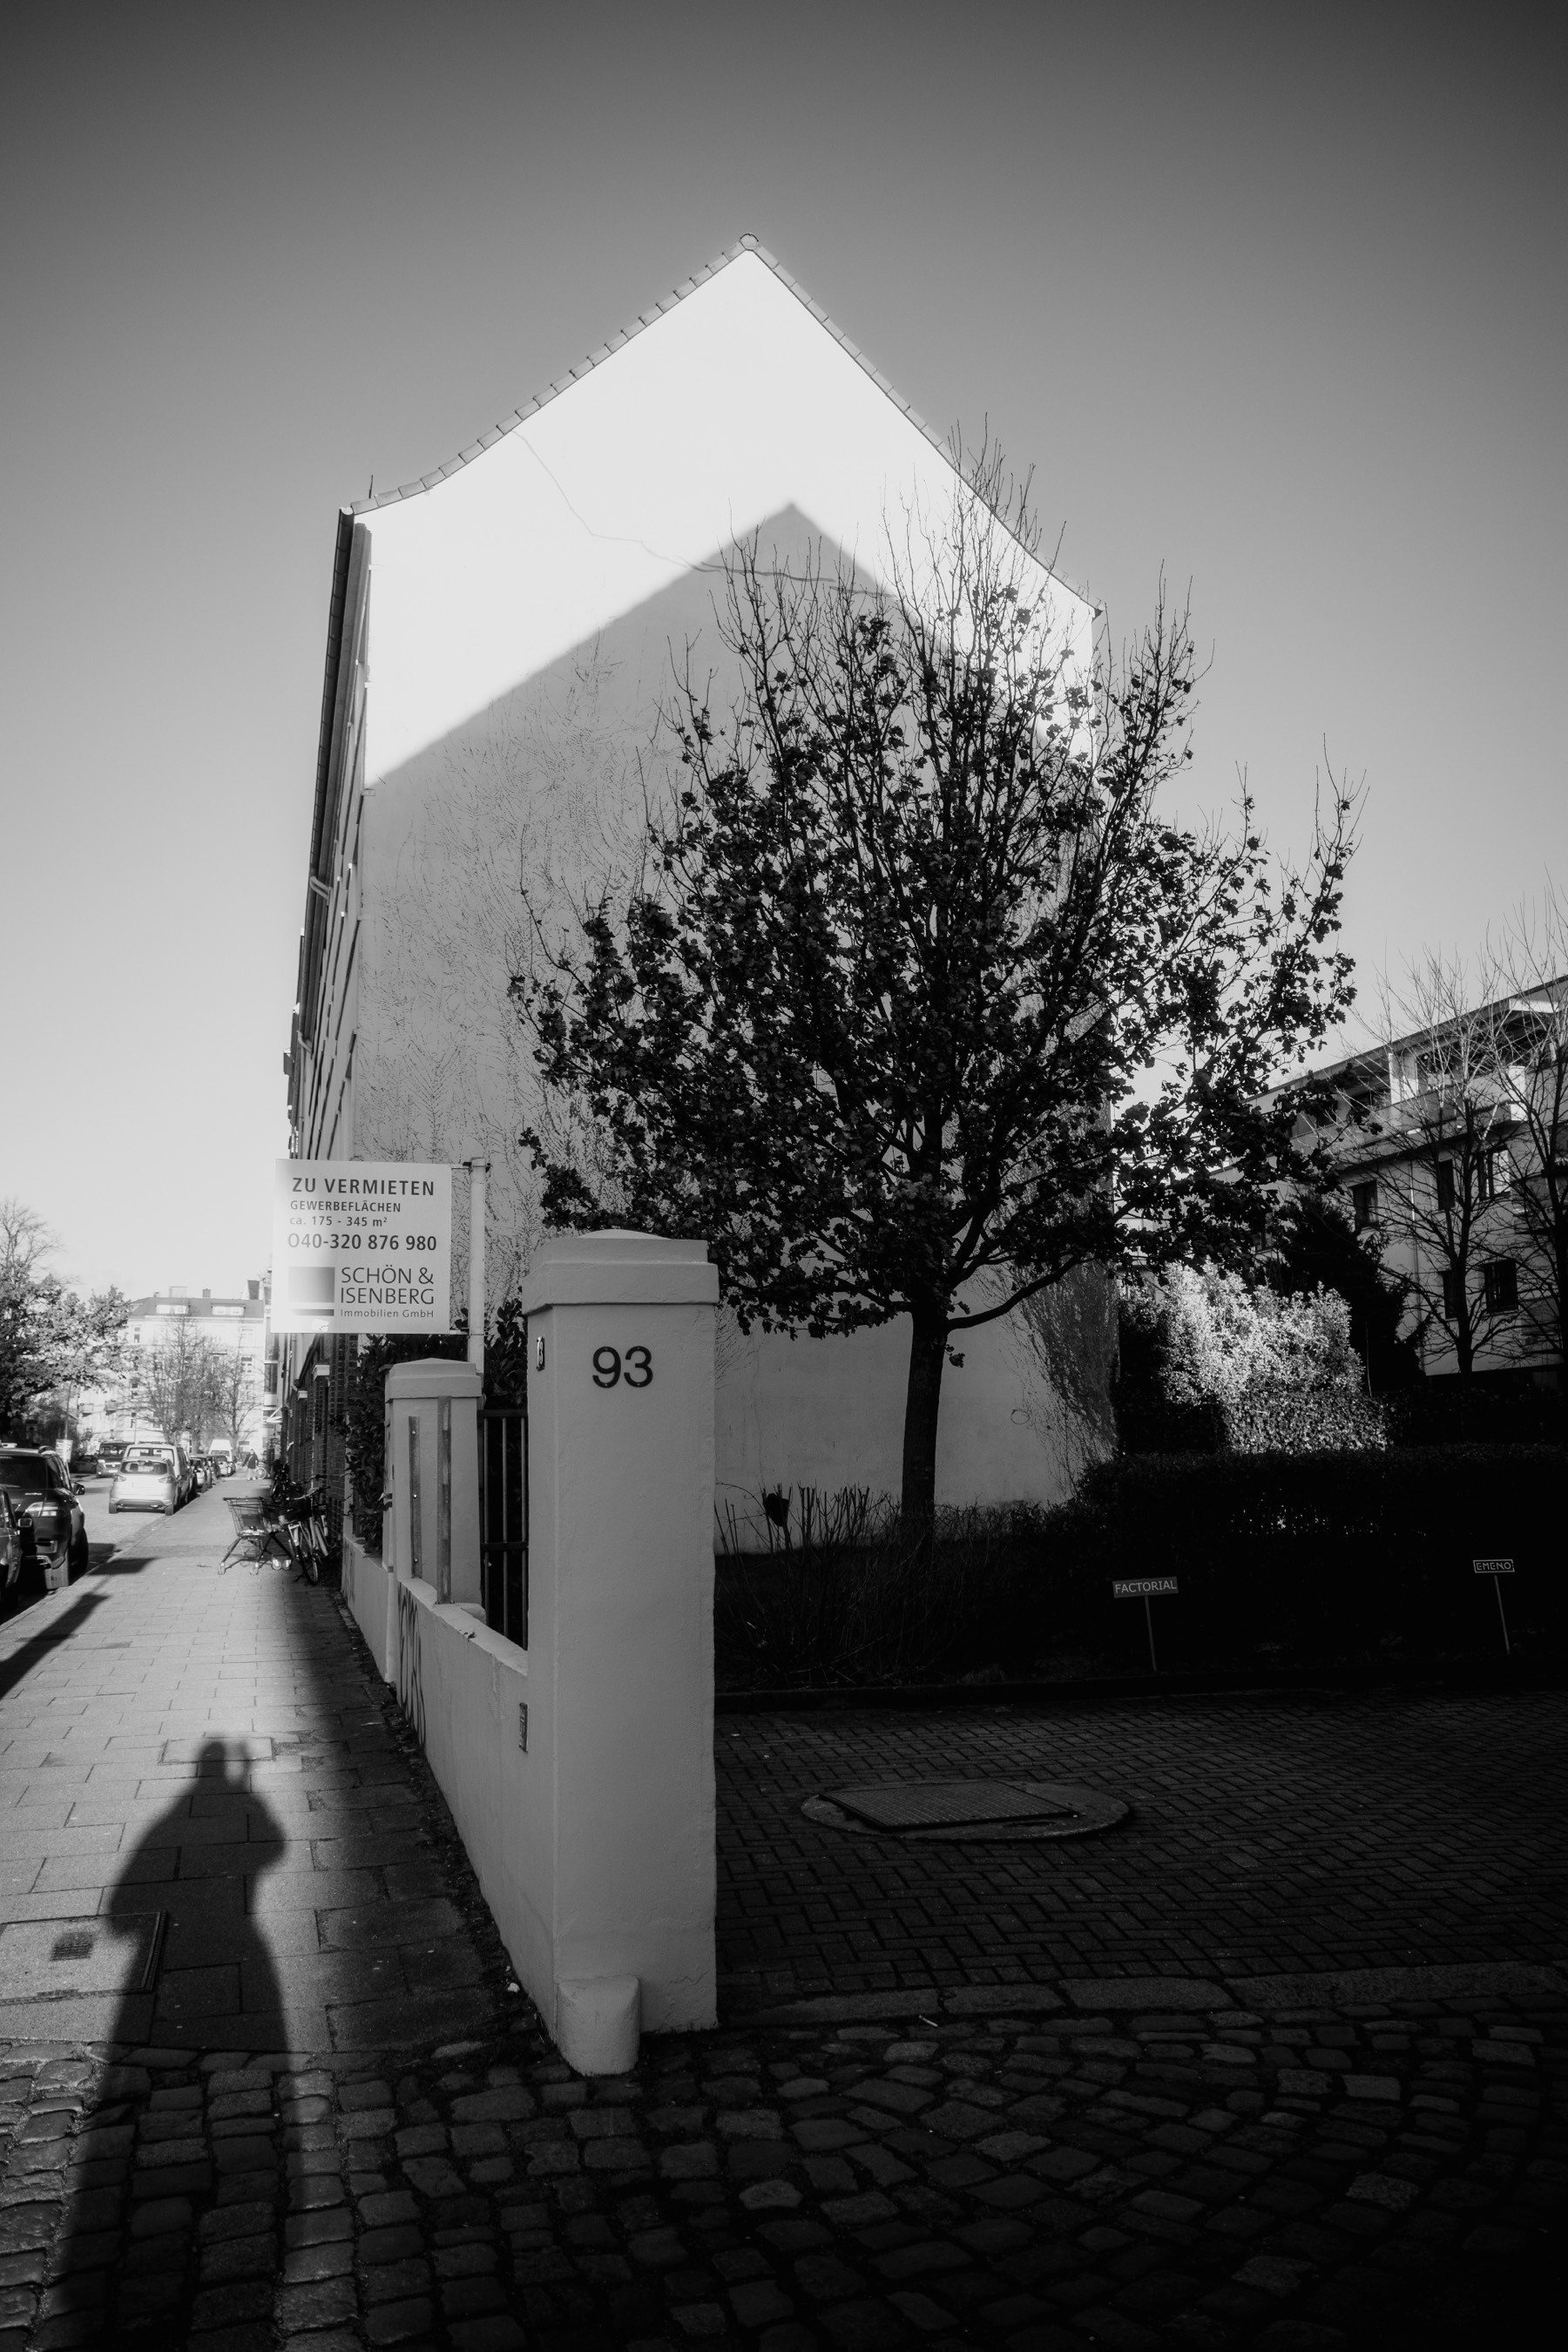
(502, 640)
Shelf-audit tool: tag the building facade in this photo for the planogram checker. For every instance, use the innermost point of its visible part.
(235, 1326)
(504, 637)
(1449, 1146)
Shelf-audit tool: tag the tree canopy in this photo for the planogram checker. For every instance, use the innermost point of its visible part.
(52, 1339)
(922, 998)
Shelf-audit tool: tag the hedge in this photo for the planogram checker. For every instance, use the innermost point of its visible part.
(1360, 1557)
(1320, 1555)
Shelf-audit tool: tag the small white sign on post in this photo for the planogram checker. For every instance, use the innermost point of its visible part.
(1498, 1568)
(1142, 1588)
(361, 1246)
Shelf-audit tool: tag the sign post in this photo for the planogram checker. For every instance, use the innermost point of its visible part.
(361, 1246)
(1494, 1568)
(1144, 1588)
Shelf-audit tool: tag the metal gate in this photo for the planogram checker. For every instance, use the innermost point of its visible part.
(503, 1519)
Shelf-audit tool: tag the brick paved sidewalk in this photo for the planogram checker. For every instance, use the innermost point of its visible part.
(328, 2123)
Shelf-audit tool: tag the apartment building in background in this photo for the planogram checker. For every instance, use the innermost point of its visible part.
(504, 637)
(227, 1322)
(1450, 1147)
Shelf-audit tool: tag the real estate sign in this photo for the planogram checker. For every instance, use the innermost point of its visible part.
(361, 1246)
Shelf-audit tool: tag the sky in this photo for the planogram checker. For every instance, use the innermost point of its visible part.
(1271, 301)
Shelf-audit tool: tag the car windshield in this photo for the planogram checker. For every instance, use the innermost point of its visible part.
(157, 1464)
(27, 1473)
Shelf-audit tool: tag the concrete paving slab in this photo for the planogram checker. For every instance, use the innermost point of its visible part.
(86, 2017)
(64, 1903)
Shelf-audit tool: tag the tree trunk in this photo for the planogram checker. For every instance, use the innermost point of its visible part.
(927, 1347)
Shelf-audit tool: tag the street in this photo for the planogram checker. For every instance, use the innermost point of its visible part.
(1278, 2061)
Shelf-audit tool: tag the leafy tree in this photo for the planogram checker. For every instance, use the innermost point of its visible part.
(26, 1293)
(921, 1002)
(53, 1342)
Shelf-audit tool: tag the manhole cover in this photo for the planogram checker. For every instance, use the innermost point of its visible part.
(965, 1809)
(944, 1804)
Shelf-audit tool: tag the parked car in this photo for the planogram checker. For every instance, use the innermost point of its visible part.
(45, 1496)
(151, 1477)
(10, 1548)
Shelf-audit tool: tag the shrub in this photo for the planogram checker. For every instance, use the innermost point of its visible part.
(1492, 1409)
(849, 1596)
(1275, 1417)
(1358, 1558)
(1314, 1556)
(1208, 1363)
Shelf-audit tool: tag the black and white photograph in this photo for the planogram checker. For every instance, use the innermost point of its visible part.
(783, 1179)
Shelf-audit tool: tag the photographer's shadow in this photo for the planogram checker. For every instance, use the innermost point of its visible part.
(215, 1984)
(200, 1979)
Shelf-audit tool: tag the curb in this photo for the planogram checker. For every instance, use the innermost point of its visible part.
(1305, 1680)
(1485, 1981)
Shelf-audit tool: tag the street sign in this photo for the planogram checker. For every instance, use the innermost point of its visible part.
(361, 1246)
(1498, 1568)
(1145, 1588)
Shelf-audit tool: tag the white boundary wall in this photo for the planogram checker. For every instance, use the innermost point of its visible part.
(595, 1843)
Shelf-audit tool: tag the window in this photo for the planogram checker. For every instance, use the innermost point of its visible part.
(1453, 1294)
(1363, 1204)
(1444, 1186)
(1501, 1281)
(1487, 1175)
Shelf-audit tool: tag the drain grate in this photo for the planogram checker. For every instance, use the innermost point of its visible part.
(983, 1811)
(46, 1959)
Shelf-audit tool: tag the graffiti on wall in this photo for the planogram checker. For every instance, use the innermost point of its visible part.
(410, 1662)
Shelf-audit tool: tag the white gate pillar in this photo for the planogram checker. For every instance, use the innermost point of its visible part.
(620, 1634)
(433, 1472)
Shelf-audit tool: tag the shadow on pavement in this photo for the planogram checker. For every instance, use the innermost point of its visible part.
(26, 1656)
(171, 2136)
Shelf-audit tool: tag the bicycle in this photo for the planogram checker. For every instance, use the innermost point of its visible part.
(300, 1516)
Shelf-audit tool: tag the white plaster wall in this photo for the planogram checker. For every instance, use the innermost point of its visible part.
(460, 1687)
(524, 615)
(829, 1414)
(367, 1589)
(737, 402)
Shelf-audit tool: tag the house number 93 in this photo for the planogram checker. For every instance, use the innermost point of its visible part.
(611, 1367)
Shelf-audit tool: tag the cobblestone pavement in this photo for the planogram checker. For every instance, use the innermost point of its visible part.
(327, 2121)
(1304, 1832)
